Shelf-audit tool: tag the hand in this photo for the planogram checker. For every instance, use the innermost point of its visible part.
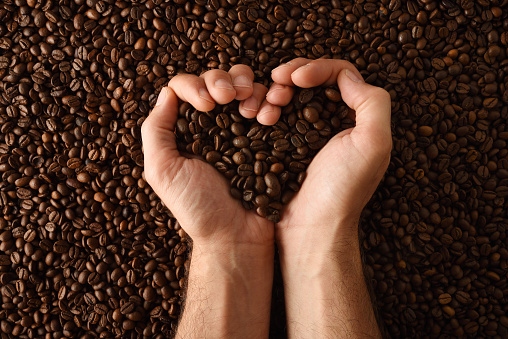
(324, 287)
(195, 192)
(231, 270)
(345, 173)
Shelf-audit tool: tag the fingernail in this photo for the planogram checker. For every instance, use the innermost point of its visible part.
(223, 84)
(162, 97)
(267, 111)
(353, 76)
(250, 104)
(275, 89)
(203, 94)
(242, 81)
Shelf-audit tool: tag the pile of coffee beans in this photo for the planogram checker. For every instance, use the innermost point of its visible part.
(88, 250)
(265, 164)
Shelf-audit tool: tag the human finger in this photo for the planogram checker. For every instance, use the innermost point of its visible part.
(268, 114)
(282, 74)
(219, 85)
(192, 89)
(249, 107)
(321, 72)
(159, 141)
(242, 78)
(279, 95)
(372, 106)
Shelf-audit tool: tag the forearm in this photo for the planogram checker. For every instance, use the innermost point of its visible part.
(325, 290)
(228, 294)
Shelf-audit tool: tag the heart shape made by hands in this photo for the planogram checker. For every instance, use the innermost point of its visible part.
(265, 165)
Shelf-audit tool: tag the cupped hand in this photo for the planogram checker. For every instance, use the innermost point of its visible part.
(196, 193)
(346, 171)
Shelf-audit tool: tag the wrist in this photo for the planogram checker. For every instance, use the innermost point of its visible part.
(242, 236)
(231, 252)
(321, 264)
(337, 238)
(233, 263)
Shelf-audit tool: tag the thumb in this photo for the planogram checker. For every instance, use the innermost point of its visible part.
(159, 140)
(372, 133)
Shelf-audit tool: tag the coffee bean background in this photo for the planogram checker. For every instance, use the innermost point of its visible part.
(88, 250)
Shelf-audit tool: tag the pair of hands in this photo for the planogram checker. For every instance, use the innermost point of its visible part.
(339, 182)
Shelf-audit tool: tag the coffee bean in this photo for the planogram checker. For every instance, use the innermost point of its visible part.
(222, 121)
(127, 308)
(445, 298)
(100, 309)
(245, 170)
(297, 140)
(281, 145)
(311, 114)
(241, 142)
(305, 96)
(302, 126)
(333, 95)
(61, 246)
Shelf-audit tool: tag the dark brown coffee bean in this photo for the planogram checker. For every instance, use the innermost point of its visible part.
(239, 158)
(222, 121)
(241, 142)
(281, 145)
(245, 170)
(297, 140)
(312, 137)
(445, 298)
(311, 114)
(305, 96)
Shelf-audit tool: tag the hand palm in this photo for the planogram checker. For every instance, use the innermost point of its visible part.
(337, 185)
(207, 200)
(200, 198)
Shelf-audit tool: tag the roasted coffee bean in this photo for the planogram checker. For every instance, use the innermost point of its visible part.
(127, 308)
(241, 142)
(445, 298)
(281, 145)
(311, 114)
(223, 121)
(305, 96)
(245, 170)
(297, 140)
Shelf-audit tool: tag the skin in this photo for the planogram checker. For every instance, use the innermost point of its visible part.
(231, 271)
(325, 291)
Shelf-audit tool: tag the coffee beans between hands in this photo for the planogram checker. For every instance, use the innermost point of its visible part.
(264, 164)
